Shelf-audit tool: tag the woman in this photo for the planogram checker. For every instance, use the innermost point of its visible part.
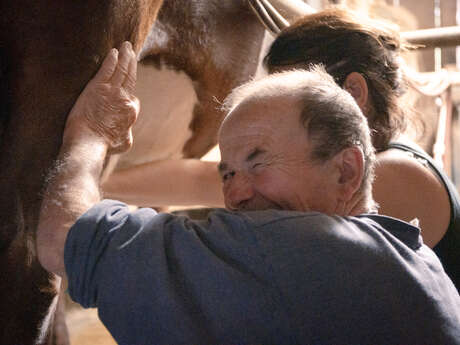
(363, 57)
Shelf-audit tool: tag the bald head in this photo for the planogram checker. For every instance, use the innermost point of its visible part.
(295, 83)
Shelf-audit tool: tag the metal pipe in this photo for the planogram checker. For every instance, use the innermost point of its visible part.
(290, 10)
(277, 14)
(437, 37)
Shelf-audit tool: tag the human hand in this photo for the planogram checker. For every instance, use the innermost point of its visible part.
(107, 107)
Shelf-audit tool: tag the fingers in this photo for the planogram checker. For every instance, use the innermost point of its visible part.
(126, 55)
(108, 106)
(108, 66)
(119, 68)
(130, 80)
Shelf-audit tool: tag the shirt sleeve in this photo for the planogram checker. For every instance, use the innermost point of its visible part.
(162, 278)
(87, 243)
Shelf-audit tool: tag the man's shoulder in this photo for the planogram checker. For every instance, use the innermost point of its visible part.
(303, 228)
(318, 229)
(282, 220)
(278, 220)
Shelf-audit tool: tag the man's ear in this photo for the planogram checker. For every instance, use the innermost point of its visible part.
(356, 85)
(351, 172)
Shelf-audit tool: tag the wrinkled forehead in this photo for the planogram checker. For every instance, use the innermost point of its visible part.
(240, 126)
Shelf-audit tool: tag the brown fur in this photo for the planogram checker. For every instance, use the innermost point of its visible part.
(49, 50)
(194, 34)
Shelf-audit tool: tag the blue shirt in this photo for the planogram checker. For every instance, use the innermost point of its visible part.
(271, 277)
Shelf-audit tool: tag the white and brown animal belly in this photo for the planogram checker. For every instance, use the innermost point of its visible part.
(195, 54)
(167, 100)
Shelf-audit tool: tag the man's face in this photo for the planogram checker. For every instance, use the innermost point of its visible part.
(265, 160)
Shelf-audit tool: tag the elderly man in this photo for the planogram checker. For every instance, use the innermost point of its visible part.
(295, 260)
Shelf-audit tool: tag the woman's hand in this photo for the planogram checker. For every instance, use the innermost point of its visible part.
(107, 107)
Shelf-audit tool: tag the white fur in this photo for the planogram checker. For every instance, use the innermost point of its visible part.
(167, 100)
(156, 39)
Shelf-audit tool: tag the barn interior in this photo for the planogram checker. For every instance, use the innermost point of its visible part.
(187, 128)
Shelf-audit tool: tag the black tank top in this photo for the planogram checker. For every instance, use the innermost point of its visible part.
(448, 249)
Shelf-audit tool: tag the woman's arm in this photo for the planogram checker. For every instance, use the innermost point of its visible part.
(178, 182)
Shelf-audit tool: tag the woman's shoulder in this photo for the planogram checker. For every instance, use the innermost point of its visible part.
(407, 187)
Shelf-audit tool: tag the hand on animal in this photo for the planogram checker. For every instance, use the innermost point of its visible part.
(107, 107)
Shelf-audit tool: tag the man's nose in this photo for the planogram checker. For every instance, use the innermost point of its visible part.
(238, 192)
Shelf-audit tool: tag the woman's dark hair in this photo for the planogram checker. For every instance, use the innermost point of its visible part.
(344, 42)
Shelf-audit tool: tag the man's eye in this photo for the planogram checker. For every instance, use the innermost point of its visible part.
(256, 165)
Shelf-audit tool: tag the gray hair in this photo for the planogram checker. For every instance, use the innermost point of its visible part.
(330, 115)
